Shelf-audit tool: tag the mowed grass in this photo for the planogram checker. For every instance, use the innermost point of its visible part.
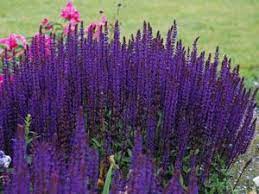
(233, 25)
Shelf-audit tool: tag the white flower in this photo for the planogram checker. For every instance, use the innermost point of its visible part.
(256, 181)
(5, 160)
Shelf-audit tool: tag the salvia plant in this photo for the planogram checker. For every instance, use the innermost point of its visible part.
(171, 117)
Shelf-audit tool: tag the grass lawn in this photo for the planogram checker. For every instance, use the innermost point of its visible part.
(231, 24)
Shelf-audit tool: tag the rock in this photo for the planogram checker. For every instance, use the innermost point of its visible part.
(256, 181)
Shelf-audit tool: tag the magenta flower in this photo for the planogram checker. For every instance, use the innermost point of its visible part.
(13, 41)
(70, 13)
(1, 80)
(96, 27)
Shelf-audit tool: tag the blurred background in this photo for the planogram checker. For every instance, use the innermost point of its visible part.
(233, 25)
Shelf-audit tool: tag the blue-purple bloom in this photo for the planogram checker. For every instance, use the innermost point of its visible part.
(166, 99)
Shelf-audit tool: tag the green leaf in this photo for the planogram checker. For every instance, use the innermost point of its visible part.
(182, 182)
(2, 47)
(56, 24)
(96, 143)
(108, 180)
(59, 28)
(27, 129)
(29, 140)
(129, 152)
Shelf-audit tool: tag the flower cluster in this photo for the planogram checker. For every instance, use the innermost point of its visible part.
(175, 105)
(15, 44)
(13, 41)
(70, 13)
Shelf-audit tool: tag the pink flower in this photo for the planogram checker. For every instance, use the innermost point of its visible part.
(46, 24)
(96, 27)
(70, 13)
(103, 20)
(1, 80)
(13, 41)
